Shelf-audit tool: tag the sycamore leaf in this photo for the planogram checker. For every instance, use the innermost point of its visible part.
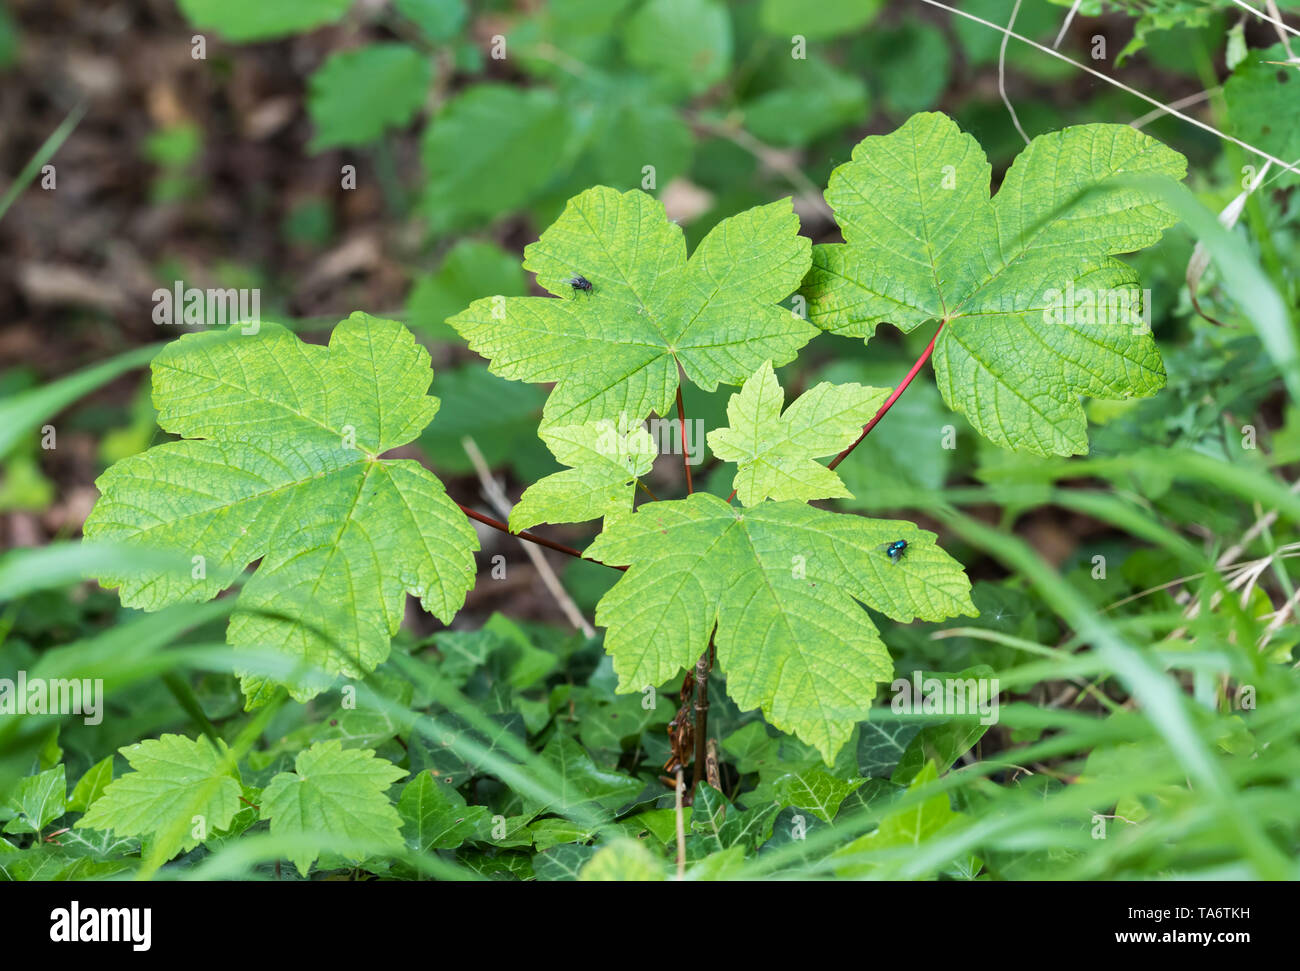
(1036, 310)
(174, 779)
(780, 583)
(775, 451)
(604, 465)
(339, 792)
(281, 461)
(615, 350)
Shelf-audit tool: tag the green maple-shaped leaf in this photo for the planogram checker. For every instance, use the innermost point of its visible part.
(615, 350)
(604, 465)
(339, 792)
(781, 583)
(174, 779)
(281, 461)
(775, 451)
(1036, 309)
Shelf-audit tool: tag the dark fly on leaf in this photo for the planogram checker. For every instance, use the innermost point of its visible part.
(579, 282)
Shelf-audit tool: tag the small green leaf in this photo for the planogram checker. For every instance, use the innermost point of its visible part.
(472, 152)
(438, 20)
(91, 785)
(685, 44)
(775, 451)
(173, 780)
(625, 860)
(38, 799)
(355, 95)
(436, 817)
(815, 790)
(604, 464)
(339, 792)
(582, 782)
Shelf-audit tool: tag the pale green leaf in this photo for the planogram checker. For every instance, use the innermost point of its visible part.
(173, 780)
(781, 583)
(91, 785)
(774, 452)
(624, 859)
(281, 462)
(604, 465)
(338, 792)
(650, 310)
(1036, 309)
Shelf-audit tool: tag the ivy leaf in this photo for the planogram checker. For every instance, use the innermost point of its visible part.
(1036, 309)
(815, 790)
(357, 94)
(775, 451)
(436, 817)
(582, 782)
(650, 309)
(174, 779)
(779, 583)
(281, 461)
(882, 744)
(38, 799)
(604, 466)
(717, 825)
(339, 792)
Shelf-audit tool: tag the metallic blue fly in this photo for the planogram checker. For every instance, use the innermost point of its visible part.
(895, 550)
